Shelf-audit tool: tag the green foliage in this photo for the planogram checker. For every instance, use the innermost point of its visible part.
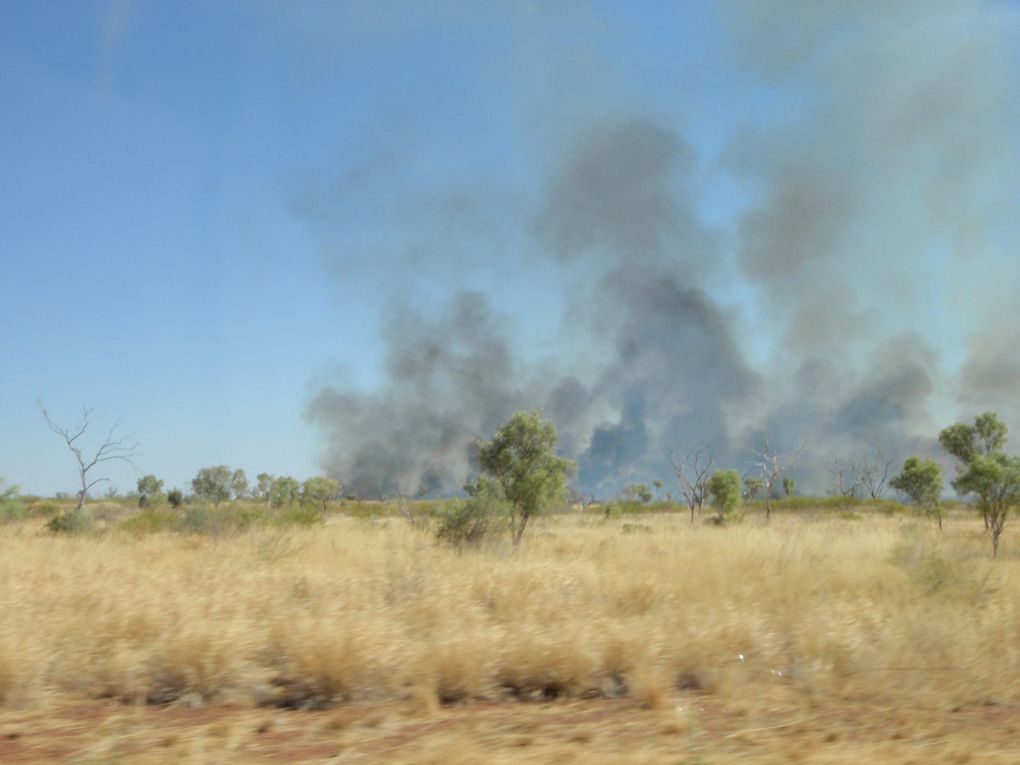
(175, 498)
(76, 521)
(150, 520)
(789, 486)
(213, 484)
(984, 470)
(724, 490)
(150, 491)
(521, 458)
(284, 491)
(470, 522)
(320, 491)
(986, 436)
(638, 492)
(239, 484)
(921, 481)
(11, 506)
(299, 515)
(619, 508)
(752, 488)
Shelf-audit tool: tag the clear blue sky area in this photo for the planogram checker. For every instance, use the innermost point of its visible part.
(200, 201)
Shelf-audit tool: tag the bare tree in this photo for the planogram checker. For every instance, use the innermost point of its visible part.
(874, 469)
(773, 465)
(867, 474)
(693, 469)
(112, 449)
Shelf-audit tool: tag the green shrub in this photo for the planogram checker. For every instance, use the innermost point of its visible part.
(469, 522)
(152, 520)
(300, 515)
(72, 522)
(175, 498)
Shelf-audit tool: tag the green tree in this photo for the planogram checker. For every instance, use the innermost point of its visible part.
(213, 484)
(521, 458)
(789, 486)
(921, 480)
(752, 488)
(320, 491)
(264, 488)
(150, 490)
(638, 492)
(724, 489)
(984, 470)
(239, 484)
(285, 491)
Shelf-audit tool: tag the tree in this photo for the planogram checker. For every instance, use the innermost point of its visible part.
(175, 497)
(844, 478)
(239, 484)
(752, 488)
(724, 489)
(772, 466)
(873, 470)
(111, 449)
(150, 490)
(658, 487)
(320, 491)
(521, 458)
(264, 488)
(984, 470)
(285, 490)
(789, 486)
(921, 481)
(692, 470)
(213, 484)
(638, 492)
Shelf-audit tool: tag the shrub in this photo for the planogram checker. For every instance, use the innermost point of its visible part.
(724, 487)
(72, 522)
(301, 515)
(151, 520)
(469, 522)
(175, 498)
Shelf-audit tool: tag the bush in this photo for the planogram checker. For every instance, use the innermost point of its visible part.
(301, 515)
(150, 520)
(175, 498)
(73, 522)
(469, 522)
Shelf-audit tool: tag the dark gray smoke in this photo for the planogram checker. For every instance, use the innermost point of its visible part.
(867, 246)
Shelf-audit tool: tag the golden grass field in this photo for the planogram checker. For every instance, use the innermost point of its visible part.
(810, 639)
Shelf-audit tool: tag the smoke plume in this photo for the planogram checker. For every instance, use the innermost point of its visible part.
(845, 303)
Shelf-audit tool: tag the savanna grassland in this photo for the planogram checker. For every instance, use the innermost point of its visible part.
(818, 637)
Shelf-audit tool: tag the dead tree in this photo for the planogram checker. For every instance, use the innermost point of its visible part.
(692, 470)
(843, 477)
(873, 472)
(772, 465)
(112, 449)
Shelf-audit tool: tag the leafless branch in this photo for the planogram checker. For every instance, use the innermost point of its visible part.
(693, 469)
(112, 449)
(772, 465)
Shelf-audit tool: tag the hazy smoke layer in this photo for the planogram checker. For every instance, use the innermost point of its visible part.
(877, 215)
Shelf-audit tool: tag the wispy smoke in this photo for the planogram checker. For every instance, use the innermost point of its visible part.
(875, 212)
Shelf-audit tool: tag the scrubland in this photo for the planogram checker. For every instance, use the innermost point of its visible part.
(812, 638)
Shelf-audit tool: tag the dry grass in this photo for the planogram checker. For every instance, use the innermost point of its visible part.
(882, 621)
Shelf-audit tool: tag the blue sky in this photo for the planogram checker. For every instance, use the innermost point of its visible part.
(201, 201)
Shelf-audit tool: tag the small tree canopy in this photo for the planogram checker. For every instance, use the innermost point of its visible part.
(320, 491)
(724, 489)
(921, 480)
(213, 484)
(522, 459)
(150, 489)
